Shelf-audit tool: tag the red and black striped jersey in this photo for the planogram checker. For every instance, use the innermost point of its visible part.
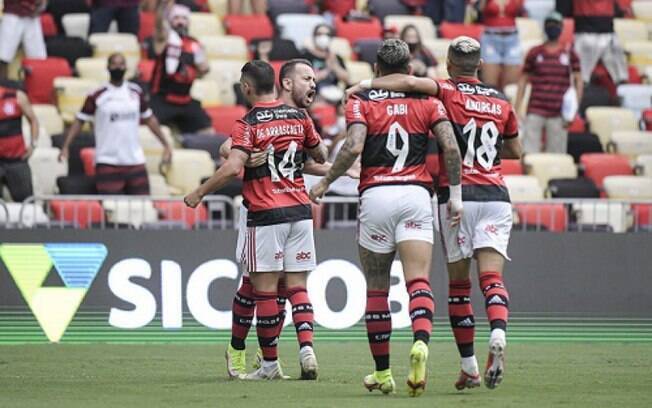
(398, 127)
(187, 53)
(482, 118)
(12, 144)
(274, 193)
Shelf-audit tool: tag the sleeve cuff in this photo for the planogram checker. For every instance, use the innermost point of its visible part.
(84, 117)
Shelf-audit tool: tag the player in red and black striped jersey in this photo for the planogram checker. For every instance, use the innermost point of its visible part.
(390, 130)
(279, 226)
(486, 130)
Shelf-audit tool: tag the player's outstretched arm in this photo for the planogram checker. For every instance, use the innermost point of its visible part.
(351, 149)
(229, 170)
(318, 153)
(317, 169)
(453, 163)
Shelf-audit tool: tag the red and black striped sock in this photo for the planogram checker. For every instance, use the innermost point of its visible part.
(496, 299)
(302, 315)
(379, 327)
(243, 312)
(281, 299)
(267, 321)
(461, 316)
(422, 308)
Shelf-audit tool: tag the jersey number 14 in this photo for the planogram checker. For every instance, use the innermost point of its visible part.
(286, 167)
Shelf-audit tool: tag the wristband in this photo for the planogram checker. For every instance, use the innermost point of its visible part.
(456, 192)
(366, 83)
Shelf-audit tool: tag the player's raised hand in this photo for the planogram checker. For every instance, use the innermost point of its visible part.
(257, 158)
(455, 211)
(193, 199)
(352, 90)
(317, 191)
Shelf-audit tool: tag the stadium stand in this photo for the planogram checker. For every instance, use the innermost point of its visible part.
(547, 166)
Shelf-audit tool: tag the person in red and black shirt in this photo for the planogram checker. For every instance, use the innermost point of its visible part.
(549, 68)
(390, 130)
(279, 217)
(14, 169)
(486, 129)
(180, 60)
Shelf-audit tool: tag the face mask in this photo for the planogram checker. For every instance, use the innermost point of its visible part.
(117, 74)
(553, 32)
(181, 30)
(322, 41)
(413, 47)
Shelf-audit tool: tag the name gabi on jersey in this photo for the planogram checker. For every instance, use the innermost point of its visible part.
(281, 130)
(397, 109)
(484, 107)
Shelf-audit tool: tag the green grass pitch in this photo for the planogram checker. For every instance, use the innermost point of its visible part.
(539, 374)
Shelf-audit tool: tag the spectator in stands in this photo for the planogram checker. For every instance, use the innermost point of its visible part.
(180, 59)
(116, 110)
(595, 39)
(423, 62)
(125, 12)
(257, 6)
(390, 32)
(14, 168)
(452, 11)
(21, 25)
(501, 47)
(548, 68)
(329, 67)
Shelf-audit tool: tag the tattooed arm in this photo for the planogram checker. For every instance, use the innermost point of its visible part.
(453, 163)
(351, 149)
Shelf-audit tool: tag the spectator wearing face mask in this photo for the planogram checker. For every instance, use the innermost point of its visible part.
(180, 60)
(116, 110)
(423, 62)
(549, 68)
(329, 67)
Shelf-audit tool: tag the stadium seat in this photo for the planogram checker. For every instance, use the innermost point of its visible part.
(640, 53)
(628, 187)
(219, 7)
(69, 48)
(642, 10)
(48, 118)
(635, 97)
(96, 68)
(511, 167)
(39, 77)
(178, 211)
(71, 94)
(595, 95)
(341, 46)
(631, 143)
(453, 30)
(226, 73)
(149, 142)
(48, 26)
(298, 27)
(202, 24)
(604, 120)
(597, 166)
(553, 217)
(130, 212)
(539, 9)
(325, 114)
(188, 168)
(76, 24)
(367, 50)
(358, 30)
(147, 25)
(145, 70)
(81, 213)
(206, 91)
(224, 47)
(209, 143)
(573, 188)
(438, 47)
(157, 185)
(546, 166)
(358, 70)
(87, 156)
(424, 25)
(581, 143)
(644, 165)
(46, 168)
(628, 29)
(105, 44)
(578, 125)
(523, 188)
(591, 215)
(249, 26)
(224, 117)
(275, 8)
(511, 91)
(384, 8)
(529, 30)
(78, 184)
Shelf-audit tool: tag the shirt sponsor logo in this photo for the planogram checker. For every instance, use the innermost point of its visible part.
(379, 237)
(278, 256)
(378, 94)
(303, 256)
(491, 229)
(413, 225)
(288, 190)
(122, 116)
(264, 116)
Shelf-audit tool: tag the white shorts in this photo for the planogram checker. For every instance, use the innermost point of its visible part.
(15, 30)
(483, 225)
(288, 247)
(391, 214)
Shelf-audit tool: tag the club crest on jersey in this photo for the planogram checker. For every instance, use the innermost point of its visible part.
(9, 109)
(264, 116)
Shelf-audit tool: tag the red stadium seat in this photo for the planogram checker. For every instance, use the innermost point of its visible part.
(642, 214)
(339, 7)
(277, 70)
(511, 167)
(577, 126)
(178, 211)
(358, 30)
(87, 155)
(568, 32)
(324, 114)
(249, 26)
(82, 213)
(146, 70)
(432, 164)
(224, 117)
(551, 216)
(39, 76)
(48, 26)
(647, 119)
(597, 166)
(453, 30)
(147, 25)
